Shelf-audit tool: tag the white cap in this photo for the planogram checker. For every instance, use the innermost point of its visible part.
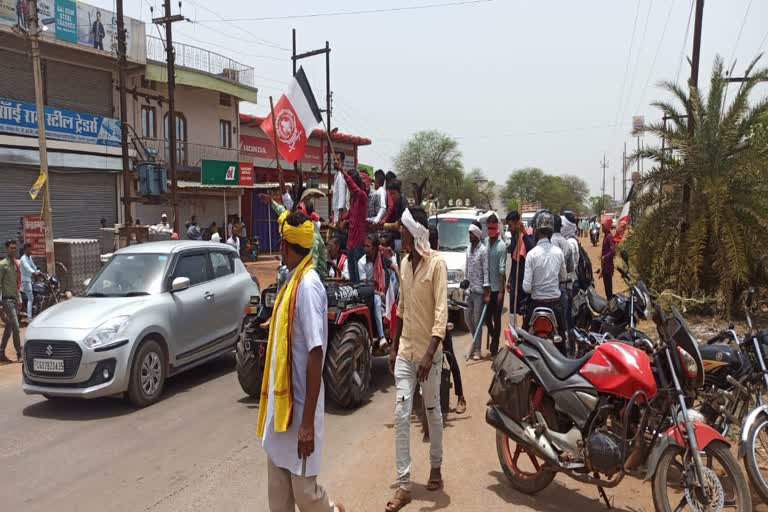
(164, 216)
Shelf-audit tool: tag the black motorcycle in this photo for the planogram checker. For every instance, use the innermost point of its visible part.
(618, 315)
(736, 379)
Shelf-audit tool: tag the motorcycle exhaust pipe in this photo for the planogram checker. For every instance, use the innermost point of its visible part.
(525, 435)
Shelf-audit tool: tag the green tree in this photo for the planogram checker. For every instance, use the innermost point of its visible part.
(433, 156)
(722, 163)
(598, 203)
(556, 193)
(480, 189)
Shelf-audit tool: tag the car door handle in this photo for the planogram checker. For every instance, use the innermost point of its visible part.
(208, 296)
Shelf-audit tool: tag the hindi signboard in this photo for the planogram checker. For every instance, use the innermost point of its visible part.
(21, 119)
(34, 233)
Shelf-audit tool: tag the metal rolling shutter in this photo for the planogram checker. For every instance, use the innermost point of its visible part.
(16, 80)
(80, 200)
(79, 88)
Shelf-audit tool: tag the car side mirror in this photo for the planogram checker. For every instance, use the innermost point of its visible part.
(625, 256)
(87, 282)
(179, 284)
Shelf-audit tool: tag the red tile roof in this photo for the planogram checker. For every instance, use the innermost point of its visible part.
(250, 120)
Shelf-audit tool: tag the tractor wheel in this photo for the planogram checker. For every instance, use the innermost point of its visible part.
(347, 372)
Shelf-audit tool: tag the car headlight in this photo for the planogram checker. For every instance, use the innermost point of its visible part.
(269, 299)
(107, 332)
(455, 276)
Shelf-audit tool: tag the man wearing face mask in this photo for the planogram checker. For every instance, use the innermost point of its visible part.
(497, 269)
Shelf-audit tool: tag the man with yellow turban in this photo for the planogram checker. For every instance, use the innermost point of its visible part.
(292, 404)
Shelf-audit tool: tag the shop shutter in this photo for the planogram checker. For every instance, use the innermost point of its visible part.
(80, 200)
(16, 81)
(78, 88)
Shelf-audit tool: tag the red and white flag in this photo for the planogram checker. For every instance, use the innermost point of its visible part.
(296, 116)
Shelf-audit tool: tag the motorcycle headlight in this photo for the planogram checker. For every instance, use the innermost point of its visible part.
(689, 363)
(455, 276)
(269, 299)
(107, 332)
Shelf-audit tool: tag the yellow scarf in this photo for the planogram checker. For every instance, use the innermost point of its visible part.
(283, 389)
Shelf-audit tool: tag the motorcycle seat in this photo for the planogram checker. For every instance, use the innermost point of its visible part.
(562, 367)
(596, 302)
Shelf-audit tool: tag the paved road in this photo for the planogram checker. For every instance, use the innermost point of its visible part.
(196, 451)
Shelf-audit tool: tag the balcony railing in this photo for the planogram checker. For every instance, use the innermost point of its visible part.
(199, 59)
(189, 154)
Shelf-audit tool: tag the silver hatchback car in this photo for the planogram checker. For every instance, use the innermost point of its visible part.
(153, 310)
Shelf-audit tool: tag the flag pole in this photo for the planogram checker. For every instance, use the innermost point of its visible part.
(517, 281)
(274, 141)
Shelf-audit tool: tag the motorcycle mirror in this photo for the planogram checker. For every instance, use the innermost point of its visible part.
(625, 256)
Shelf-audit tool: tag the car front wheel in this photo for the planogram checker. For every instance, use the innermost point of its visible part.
(147, 374)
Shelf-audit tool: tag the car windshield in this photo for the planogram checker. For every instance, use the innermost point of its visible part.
(129, 275)
(453, 233)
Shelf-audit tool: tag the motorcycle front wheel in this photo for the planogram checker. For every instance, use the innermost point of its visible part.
(756, 459)
(725, 487)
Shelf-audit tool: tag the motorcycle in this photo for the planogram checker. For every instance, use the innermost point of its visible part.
(618, 316)
(45, 293)
(594, 236)
(616, 411)
(735, 381)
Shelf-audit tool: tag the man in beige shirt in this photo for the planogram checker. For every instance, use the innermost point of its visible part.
(415, 356)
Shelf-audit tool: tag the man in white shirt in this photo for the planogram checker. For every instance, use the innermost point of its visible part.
(163, 227)
(28, 271)
(544, 271)
(294, 454)
(366, 270)
(340, 192)
(476, 272)
(377, 201)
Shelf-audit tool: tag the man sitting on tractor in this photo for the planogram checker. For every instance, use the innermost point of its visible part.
(371, 270)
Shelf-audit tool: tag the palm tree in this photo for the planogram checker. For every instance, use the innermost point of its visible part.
(711, 244)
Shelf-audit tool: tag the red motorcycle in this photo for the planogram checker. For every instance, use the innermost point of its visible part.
(613, 412)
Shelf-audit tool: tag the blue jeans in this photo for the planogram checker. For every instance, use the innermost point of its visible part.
(26, 287)
(377, 315)
(566, 304)
(353, 256)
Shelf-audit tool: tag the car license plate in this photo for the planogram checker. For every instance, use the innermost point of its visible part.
(48, 365)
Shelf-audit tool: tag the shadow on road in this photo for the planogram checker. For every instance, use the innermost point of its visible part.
(76, 409)
(555, 498)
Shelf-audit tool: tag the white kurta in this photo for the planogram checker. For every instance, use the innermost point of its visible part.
(310, 329)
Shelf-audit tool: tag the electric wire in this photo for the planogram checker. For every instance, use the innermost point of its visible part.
(352, 13)
(685, 44)
(629, 59)
(741, 30)
(655, 57)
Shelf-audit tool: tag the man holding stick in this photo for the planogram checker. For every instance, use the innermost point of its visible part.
(522, 242)
(415, 356)
(290, 422)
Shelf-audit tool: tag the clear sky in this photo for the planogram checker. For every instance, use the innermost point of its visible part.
(552, 84)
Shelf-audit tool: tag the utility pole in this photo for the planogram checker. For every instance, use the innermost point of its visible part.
(328, 108)
(122, 64)
(614, 187)
(34, 37)
(624, 173)
(693, 82)
(604, 165)
(170, 58)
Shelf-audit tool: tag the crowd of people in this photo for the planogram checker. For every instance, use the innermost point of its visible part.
(375, 237)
